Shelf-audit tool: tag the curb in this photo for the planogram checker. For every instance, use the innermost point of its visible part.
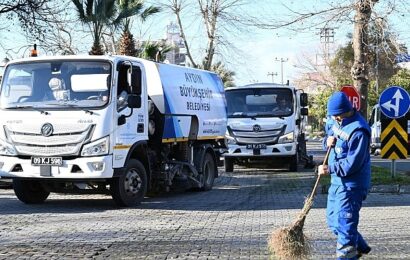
(392, 189)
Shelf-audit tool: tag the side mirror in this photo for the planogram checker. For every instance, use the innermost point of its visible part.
(304, 111)
(136, 84)
(122, 120)
(134, 101)
(303, 99)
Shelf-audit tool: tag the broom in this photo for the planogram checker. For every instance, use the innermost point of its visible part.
(290, 242)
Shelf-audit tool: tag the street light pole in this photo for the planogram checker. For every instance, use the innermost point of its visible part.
(272, 74)
(282, 60)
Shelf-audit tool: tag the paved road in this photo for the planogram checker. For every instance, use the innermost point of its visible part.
(232, 221)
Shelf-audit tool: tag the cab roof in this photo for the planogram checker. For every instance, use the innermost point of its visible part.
(261, 85)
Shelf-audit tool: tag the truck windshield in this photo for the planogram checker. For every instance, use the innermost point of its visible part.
(267, 102)
(56, 85)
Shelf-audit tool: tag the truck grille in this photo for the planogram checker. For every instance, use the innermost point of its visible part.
(264, 136)
(66, 140)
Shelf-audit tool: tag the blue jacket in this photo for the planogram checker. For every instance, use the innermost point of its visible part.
(349, 160)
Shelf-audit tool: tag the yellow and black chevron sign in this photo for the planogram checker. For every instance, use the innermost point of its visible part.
(394, 138)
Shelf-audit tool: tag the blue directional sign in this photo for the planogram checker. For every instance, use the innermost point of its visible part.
(394, 102)
(402, 57)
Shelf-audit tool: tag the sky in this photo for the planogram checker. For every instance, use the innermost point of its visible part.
(256, 53)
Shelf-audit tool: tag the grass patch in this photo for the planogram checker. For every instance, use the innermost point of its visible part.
(383, 176)
(380, 176)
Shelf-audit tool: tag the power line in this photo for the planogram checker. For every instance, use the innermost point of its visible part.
(272, 74)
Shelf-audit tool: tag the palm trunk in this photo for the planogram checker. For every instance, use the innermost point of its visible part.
(97, 48)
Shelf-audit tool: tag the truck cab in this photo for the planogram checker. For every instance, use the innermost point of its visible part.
(266, 122)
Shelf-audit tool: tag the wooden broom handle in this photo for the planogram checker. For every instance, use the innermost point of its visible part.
(318, 176)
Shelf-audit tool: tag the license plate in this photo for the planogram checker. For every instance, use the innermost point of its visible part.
(53, 161)
(256, 146)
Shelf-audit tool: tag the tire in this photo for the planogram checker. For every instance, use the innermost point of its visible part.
(208, 172)
(293, 164)
(229, 165)
(130, 188)
(30, 191)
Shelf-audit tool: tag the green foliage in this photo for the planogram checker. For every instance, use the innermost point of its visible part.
(225, 74)
(380, 59)
(401, 78)
(97, 14)
(131, 8)
(318, 106)
(379, 176)
(127, 9)
(373, 95)
(383, 176)
(100, 14)
(150, 50)
(341, 65)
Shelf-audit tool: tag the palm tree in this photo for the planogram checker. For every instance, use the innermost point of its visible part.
(100, 14)
(129, 8)
(97, 14)
(154, 50)
(225, 74)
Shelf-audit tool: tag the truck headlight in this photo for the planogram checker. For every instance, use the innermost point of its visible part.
(98, 147)
(7, 148)
(287, 138)
(229, 139)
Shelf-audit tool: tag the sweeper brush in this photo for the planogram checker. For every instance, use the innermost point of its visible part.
(290, 242)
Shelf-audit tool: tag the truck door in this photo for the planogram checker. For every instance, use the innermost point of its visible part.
(132, 123)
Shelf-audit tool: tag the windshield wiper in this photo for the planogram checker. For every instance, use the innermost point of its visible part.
(72, 106)
(31, 107)
(243, 115)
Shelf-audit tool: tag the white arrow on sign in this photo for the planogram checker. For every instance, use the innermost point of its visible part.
(389, 104)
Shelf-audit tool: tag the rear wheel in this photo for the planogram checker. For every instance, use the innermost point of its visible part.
(30, 191)
(129, 189)
(293, 164)
(208, 172)
(229, 164)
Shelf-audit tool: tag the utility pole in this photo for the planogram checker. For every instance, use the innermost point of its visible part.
(272, 74)
(327, 36)
(377, 63)
(281, 60)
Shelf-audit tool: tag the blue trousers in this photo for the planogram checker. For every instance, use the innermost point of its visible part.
(343, 206)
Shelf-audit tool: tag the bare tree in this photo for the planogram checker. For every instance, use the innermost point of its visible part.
(30, 14)
(358, 12)
(61, 33)
(220, 19)
(314, 74)
(360, 70)
(177, 7)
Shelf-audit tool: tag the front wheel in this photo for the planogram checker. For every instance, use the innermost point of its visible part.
(30, 191)
(129, 189)
(294, 161)
(229, 165)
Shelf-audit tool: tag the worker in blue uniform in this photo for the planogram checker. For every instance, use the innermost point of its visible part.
(349, 167)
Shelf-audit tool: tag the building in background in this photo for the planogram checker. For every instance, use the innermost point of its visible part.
(177, 55)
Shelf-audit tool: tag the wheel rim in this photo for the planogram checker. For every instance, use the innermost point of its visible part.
(207, 173)
(133, 182)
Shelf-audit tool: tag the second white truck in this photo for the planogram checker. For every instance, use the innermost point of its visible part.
(266, 122)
